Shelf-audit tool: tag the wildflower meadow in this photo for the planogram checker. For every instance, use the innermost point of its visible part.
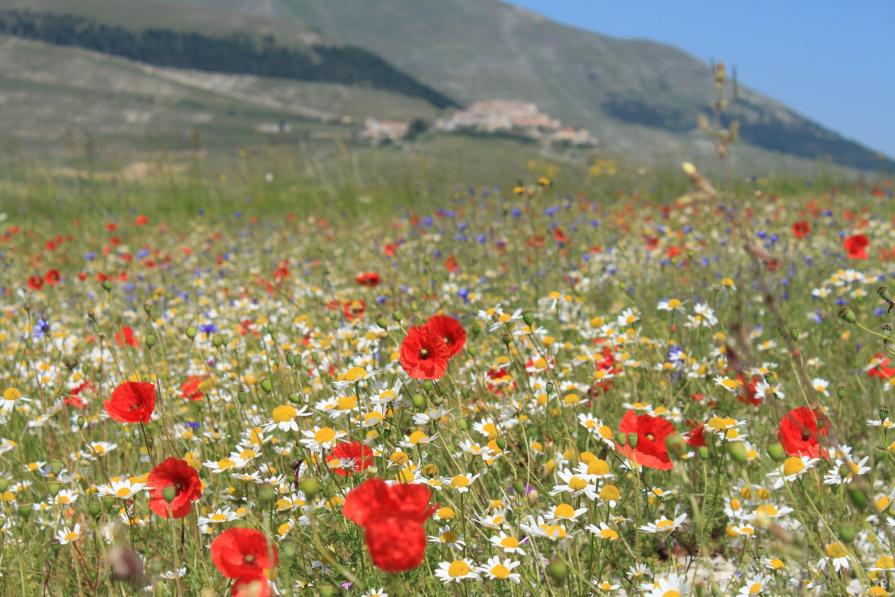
(528, 390)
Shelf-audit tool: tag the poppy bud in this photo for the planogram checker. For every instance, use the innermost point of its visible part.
(169, 493)
(267, 385)
(794, 333)
(557, 570)
(883, 292)
(382, 322)
(437, 399)
(94, 508)
(846, 531)
(847, 315)
(737, 451)
(270, 330)
(242, 397)
(266, 494)
(54, 488)
(632, 440)
(4, 484)
(217, 341)
(418, 400)
(776, 452)
(149, 341)
(475, 329)
(501, 443)
(328, 591)
(549, 387)
(462, 424)
(295, 398)
(397, 316)
(289, 549)
(621, 438)
(703, 452)
(857, 497)
(842, 392)
(56, 467)
(428, 386)
(191, 332)
(309, 486)
(529, 318)
(107, 286)
(507, 339)
(290, 358)
(108, 501)
(24, 513)
(675, 444)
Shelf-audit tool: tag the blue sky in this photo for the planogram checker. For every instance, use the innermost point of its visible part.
(832, 61)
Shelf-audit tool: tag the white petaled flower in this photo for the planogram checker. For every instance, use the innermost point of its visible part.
(507, 543)
(604, 531)
(285, 418)
(664, 525)
(820, 385)
(456, 571)
(836, 556)
(791, 469)
(575, 483)
(121, 488)
(319, 439)
(845, 469)
(64, 536)
(671, 585)
(754, 586)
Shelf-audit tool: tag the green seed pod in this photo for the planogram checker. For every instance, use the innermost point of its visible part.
(703, 452)
(633, 439)
(437, 400)
(295, 398)
(857, 497)
(242, 397)
(418, 400)
(169, 493)
(847, 315)
(108, 501)
(842, 392)
(54, 488)
(191, 332)
(382, 322)
(675, 444)
(737, 451)
(776, 452)
(501, 443)
(397, 316)
(846, 531)
(549, 387)
(428, 386)
(621, 438)
(529, 318)
(56, 466)
(217, 341)
(507, 339)
(267, 385)
(4, 484)
(94, 508)
(290, 358)
(149, 341)
(462, 424)
(475, 329)
(557, 570)
(309, 486)
(107, 285)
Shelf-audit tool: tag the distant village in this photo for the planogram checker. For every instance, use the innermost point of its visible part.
(488, 117)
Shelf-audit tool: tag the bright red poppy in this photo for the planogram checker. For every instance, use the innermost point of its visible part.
(424, 355)
(801, 229)
(178, 474)
(799, 431)
(354, 309)
(450, 329)
(243, 553)
(349, 457)
(141, 220)
(696, 436)
(856, 246)
(650, 450)
(35, 282)
(131, 402)
(190, 388)
(126, 337)
(393, 518)
(53, 277)
(881, 368)
(369, 279)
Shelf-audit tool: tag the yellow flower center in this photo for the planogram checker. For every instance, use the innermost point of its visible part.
(609, 534)
(793, 466)
(665, 524)
(458, 568)
(417, 437)
(577, 483)
(610, 493)
(598, 467)
(836, 550)
(284, 413)
(355, 374)
(346, 402)
(123, 492)
(564, 511)
(11, 394)
(500, 571)
(325, 435)
(671, 593)
(445, 513)
(509, 542)
(460, 481)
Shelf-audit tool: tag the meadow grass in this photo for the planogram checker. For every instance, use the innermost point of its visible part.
(235, 294)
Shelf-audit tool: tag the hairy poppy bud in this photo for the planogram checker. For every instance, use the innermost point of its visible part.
(382, 322)
(675, 444)
(217, 341)
(418, 400)
(475, 329)
(94, 508)
(191, 332)
(847, 315)
(737, 451)
(857, 497)
(107, 286)
(267, 385)
(149, 341)
(776, 452)
(557, 570)
(242, 397)
(295, 398)
(621, 438)
(309, 486)
(703, 452)
(842, 392)
(529, 318)
(846, 531)
(632, 440)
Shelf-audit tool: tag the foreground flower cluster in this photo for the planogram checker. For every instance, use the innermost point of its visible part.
(524, 394)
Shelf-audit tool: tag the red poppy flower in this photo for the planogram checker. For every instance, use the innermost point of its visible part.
(125, 336)
(801, 229)
(132, 402)
(451, 264)
(354, 309)
(393, 518)
(799, 431)
(35, 282)
(251, 587)
(141, 220)
(52, 277)
(190, 388)
(424, 355)
(696, 437)
(450, 329)
(881, 367)
(856, 246)
(175, 473)
(369, 279)
(349, 457)
(650, 450)
(243, 553)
